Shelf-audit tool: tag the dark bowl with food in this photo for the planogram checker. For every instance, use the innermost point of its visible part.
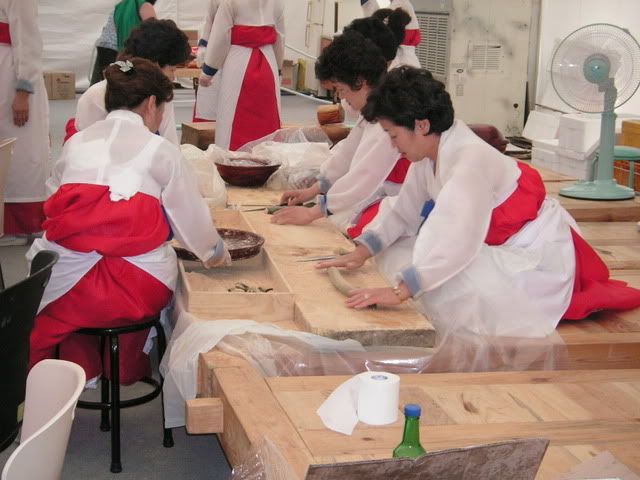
(240, 243)
(246, 175)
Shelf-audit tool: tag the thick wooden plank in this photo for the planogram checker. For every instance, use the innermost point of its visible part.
(468, 409)
(320, 308)
(603, 234)
(596, 210)
(204, 415)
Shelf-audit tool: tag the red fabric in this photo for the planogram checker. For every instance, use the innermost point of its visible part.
(256, 113)
(253, 37)
(411, 38)
(5, 34)
(83, 218)
(113, 293)
(521, 207)
(397, 175)
(23, 218)
(593, 290)
(69, 129)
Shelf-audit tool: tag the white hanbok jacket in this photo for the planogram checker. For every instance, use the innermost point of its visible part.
(91, 109)
(21, 69)
(520, 288)
(207, 97)
(121, 153)
(353, 177)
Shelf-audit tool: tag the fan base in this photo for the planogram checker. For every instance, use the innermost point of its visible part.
(597, 190)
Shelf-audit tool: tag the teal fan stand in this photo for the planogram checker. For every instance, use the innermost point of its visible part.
(596, 69)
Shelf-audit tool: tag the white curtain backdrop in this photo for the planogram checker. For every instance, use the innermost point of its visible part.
(70, 29)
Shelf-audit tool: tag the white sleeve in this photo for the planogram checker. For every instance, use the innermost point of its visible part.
(457, 227)
(208, 22)
(404, 217)
(278, 48)
(26, 43)
(220, 38)
(90, 108)
(340, 157)
(371, 164)
(369, 7)
(168, 125)
(188, 213)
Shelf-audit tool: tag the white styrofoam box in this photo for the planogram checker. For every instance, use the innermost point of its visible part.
(546, 144)
(579, 132)
(576, 164)
(541, 125)
(541, 157)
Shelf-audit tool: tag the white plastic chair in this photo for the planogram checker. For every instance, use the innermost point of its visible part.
(53, 388)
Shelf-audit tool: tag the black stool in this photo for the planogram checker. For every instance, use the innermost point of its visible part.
(116, 404)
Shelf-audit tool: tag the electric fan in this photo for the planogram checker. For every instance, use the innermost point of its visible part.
(594, 70)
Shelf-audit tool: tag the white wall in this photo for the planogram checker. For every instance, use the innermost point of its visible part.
(561, 17)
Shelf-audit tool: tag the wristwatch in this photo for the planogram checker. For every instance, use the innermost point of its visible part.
(398, 293)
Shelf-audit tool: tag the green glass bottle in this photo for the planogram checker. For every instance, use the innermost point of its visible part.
(410, 446)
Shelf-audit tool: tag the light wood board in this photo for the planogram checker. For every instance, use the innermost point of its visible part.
(582, 413)
(595, 210)
(551, 176)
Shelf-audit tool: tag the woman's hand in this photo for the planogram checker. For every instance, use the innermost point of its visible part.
(205, 80)
(364, 297)
(20, 108)
(296, 215)
(350, 261)
(297, 197)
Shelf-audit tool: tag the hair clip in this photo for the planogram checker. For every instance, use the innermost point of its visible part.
(124, 65)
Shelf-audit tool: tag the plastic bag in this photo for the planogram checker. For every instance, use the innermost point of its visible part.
(299, 151)
(210, 183)
(263, 462)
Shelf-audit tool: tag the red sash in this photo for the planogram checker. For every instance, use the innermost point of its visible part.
(5, 34)
(411, 38)
(256, 112)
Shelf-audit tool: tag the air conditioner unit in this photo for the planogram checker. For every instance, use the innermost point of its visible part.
(480, 50)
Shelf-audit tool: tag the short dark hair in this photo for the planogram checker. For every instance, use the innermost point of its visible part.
(160, 41)
(351, 59)
(407, 94)
(127, 90)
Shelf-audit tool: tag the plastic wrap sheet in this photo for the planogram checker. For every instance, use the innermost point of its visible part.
(210, 183)
(263, 462)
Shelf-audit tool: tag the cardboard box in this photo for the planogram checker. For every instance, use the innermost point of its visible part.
(60, 85)
(289, 77)
(193, 37)
(200, 134)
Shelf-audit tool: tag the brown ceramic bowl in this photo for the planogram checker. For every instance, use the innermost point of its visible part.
(240, 243)
(246, 175)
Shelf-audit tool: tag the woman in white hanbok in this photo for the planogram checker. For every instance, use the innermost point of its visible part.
(118, 194)
(24, 114)
(493, 254)
(244, 54)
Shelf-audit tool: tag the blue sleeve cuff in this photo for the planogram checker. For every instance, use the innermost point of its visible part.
(371, 241)
(411, 279)
(24, 85)
(362, 2)
(325, 184)
(207, 70)
(321, 200)
(202, 42)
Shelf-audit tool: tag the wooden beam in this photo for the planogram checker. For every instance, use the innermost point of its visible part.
(204, 415)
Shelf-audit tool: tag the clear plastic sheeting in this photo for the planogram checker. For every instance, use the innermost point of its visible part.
(210, 183)
(263, 462)
(299, 151)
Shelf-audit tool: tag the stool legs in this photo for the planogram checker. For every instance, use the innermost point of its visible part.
(105, 425)
(114, 344)
(167, 440)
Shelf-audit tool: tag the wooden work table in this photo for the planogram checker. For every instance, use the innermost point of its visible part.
(582, 413)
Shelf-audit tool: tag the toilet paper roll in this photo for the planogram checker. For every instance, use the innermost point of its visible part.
(378, 397)
(371, 397)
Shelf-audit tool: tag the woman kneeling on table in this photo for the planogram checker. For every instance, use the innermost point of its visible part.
(365, 168)
(118, 191)
(492, 254)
